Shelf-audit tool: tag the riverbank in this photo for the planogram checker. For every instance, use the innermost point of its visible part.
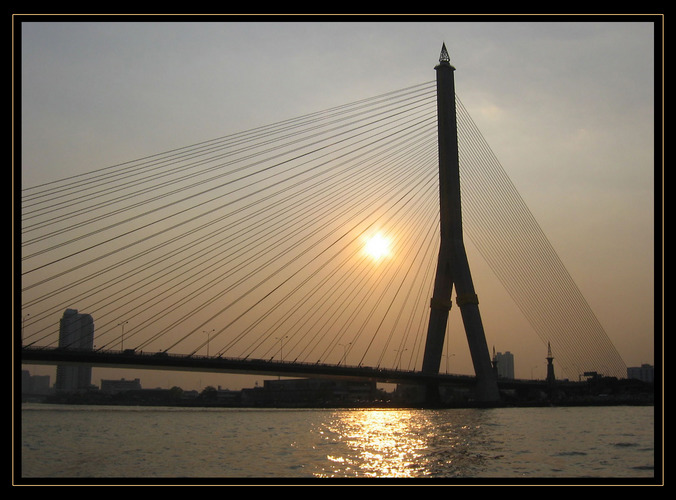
(309, 393)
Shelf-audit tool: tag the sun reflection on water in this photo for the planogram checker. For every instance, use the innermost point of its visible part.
(377, 443)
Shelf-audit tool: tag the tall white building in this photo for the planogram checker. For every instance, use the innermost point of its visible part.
(76, 331)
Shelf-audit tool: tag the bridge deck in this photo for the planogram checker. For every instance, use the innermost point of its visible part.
(181, 362)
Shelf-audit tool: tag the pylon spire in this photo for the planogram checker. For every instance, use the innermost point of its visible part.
(444, 57)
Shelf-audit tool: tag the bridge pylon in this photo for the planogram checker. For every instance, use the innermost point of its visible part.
(452, 265)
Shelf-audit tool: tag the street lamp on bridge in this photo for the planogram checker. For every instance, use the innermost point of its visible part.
(281, 346)
(345, 347)
(208, 332)
(122, 338)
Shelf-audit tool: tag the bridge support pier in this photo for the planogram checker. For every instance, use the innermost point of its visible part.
(452, 265)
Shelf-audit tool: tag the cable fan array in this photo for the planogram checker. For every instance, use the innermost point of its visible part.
(510, 240)
(252, 245)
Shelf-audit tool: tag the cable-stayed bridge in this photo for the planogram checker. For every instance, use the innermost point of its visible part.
(313, 241)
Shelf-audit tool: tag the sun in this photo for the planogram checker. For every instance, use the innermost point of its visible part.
(377, 246)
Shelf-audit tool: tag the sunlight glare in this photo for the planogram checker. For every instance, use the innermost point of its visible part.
(377, 246)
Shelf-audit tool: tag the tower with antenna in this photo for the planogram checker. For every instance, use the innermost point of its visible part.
(550, 366)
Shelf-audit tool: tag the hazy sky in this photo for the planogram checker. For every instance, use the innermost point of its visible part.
(567, 107)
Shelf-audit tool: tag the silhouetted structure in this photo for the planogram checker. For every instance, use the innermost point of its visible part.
(645, 373)
(76, 331)
(550, 366)
(504, 364)
(452, 265)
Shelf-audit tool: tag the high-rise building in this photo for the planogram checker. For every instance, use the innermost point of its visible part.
(645, 373)
(505, 364)
(76, 331)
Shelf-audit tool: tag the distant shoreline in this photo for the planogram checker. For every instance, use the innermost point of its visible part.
(360, 406)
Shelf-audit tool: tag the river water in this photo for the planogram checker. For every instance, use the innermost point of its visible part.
(267, 445)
